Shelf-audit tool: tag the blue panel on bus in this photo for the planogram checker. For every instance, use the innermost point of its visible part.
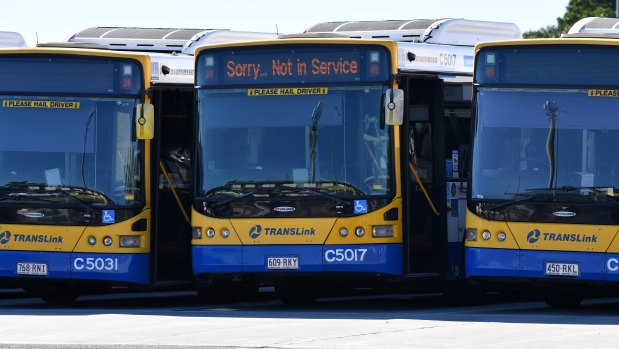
(611, 267)
(133, 268)
(375, 258)
(490, 262)
(590, 265)
(383, 258)
(532, 264)
(256, 258)
(216, 259)
(57, 264)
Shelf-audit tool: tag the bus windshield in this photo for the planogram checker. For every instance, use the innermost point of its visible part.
(535, 140)
(70, 144)
(328, 139)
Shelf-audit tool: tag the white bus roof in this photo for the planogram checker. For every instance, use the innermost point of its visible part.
(594, 27)
(11, 39)
(170, 49)
(460, 32)
(224, 36)
(161, 39)
(444, 46)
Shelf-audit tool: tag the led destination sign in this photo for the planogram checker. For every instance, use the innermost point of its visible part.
(292, 65)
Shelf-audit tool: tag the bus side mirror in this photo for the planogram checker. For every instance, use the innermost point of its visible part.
(394, 109)
(145, 121)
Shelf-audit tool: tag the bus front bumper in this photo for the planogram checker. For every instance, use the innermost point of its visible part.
(488, 262)
(375, 258)
(125, 268)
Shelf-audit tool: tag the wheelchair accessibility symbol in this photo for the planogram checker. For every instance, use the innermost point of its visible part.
(361, 206)
(109, 216)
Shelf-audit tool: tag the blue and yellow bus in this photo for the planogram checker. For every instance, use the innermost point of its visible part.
(332, 157)
(95, 165)
(543, 208)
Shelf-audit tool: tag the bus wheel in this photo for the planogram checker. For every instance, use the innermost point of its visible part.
(61, 295)
(295, 295)
(217, 292)
(463, 293)
(562, 299)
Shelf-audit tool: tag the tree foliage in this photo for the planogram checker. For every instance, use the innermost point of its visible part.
(575, 11)
(550, 31)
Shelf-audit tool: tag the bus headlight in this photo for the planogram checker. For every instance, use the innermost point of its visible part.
(130, 241)
(359, 232)
(92, 240)
(470, 235)
(382, 231)
(210, 232)
(107, 241)
(196, 232)
(486, 235)
(501, 236)
(225, 233)
(343, 232)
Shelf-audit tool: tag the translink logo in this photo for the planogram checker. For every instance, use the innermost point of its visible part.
(5, 237)
(256, 230)
(535, 235)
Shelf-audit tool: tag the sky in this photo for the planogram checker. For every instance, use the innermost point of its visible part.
(56, 20)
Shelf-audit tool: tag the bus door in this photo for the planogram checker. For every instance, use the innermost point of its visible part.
(172, 183)
(456, 139)
(424, 177)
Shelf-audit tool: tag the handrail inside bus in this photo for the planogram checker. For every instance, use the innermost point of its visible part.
(178, 200)
(423, 189)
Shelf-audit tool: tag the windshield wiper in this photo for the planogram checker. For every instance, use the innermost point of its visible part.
(36, 191)
(524, 197)
(539, 193)
(313, 191)
(278, 188)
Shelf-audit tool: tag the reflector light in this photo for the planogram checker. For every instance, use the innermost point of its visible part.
(486, 235)
(130, 241)
(470, 235)
(210, 232)
(196, 232)
(359, 232)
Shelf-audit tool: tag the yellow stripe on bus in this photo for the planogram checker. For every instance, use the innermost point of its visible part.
(603, 93)
(41, 104)
(287, 91)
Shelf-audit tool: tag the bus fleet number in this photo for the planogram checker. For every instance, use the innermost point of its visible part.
(348, 255)
(98, 264)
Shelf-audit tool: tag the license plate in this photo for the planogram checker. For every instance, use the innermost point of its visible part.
(283, 263)
(29, 268)
(562, 269)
